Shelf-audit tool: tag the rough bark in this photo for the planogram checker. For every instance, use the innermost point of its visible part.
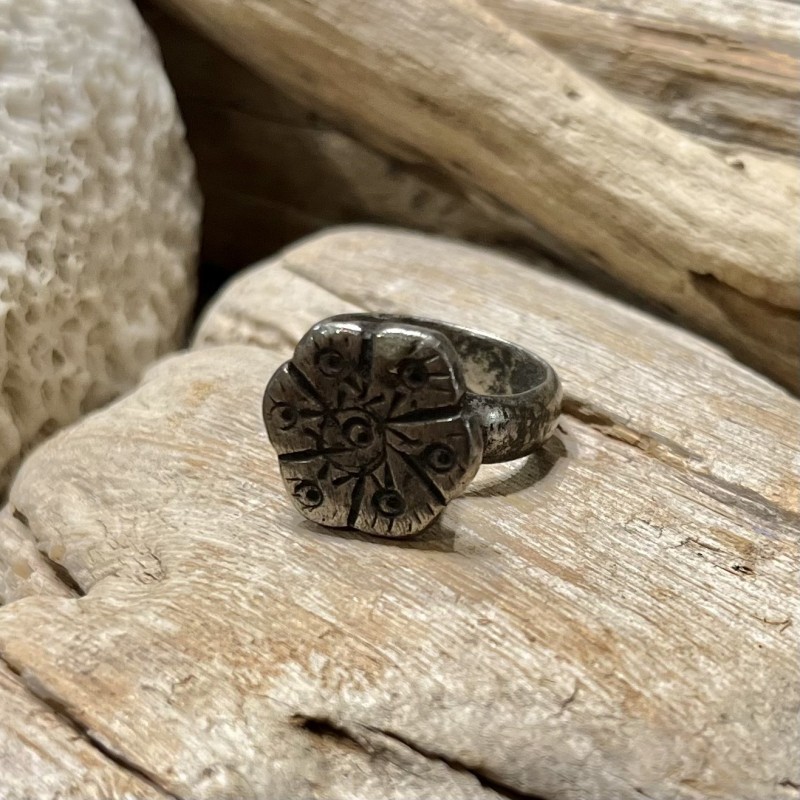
(614, 617)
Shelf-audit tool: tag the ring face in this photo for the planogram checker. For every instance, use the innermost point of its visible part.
(371, 427)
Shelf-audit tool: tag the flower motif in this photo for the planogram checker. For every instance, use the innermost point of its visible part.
(368, 420)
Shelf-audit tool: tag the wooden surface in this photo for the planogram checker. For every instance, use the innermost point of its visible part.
(708, 235)
(613, 618)
(40, 745)
(726, 71)
(272, 170)
(723, 74)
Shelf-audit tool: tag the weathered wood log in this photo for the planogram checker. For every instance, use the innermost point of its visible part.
(453, 86)
(726, 71)
(56, 753)
(272, 170)
(614, 617)
(284, 172)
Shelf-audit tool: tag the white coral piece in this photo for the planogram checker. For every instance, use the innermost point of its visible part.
(99, 213)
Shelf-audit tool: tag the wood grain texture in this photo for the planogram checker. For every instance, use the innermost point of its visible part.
(44, 754)
(724, 70)
(452, 85)
(284, 172)
(24, 570)
(650, 384)
(614, 617)
(724, 74)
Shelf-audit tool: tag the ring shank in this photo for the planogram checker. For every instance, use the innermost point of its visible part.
(515, 395)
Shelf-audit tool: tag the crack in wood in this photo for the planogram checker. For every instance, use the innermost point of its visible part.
(62, 712)
(568, 701)
(651, 443)
(20, 517)
(746, 309)
(743, 499)
(63, 575)
(60, 572)
(326, 727)
(675, 455)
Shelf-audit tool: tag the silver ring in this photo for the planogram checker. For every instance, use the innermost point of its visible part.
(379, 421)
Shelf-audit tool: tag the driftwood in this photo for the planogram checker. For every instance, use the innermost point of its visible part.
(272, 170)
(56, 753)
(615, 617)
(722, 70)
(451, 86)
(284, 172)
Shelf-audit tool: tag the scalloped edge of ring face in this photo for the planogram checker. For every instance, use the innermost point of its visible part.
(371, 427)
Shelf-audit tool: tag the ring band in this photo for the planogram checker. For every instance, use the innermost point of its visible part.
(380, 420)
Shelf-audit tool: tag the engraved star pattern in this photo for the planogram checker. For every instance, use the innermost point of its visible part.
(368, 420)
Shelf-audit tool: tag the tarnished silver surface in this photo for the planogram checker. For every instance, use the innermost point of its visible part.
(379, 421)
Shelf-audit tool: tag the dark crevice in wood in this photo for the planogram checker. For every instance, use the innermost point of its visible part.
(325, 727)
(501, 789)
(725, 295)
(766, 325)
(742, 498)
(615, 428)
(61, 573)
(61, 710)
